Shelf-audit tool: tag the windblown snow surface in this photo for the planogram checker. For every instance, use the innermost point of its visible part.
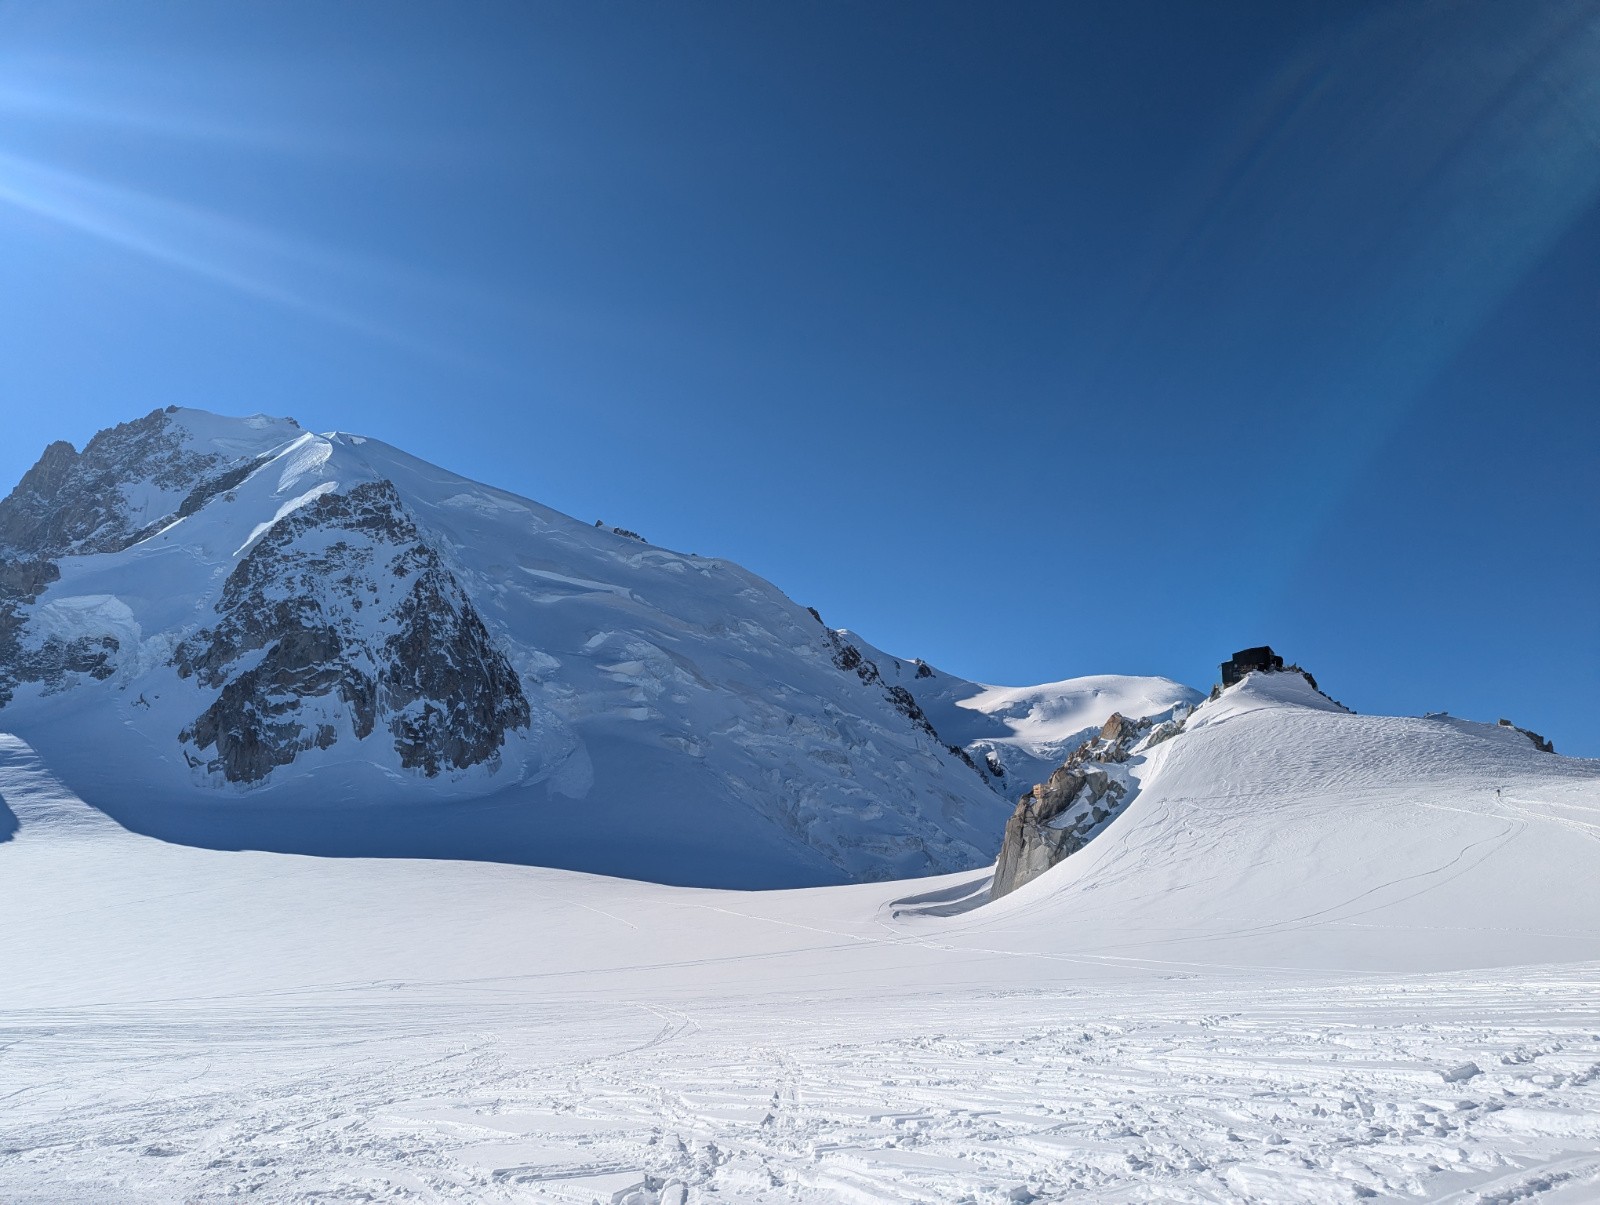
(1320, 957)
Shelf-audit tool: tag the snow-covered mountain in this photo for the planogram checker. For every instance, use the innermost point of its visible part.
(1020, 734)
(1307, 955)
(236, 632)
(1316, 957)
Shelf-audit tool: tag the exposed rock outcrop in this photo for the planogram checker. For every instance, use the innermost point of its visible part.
(1539, 742)
(77, 504)
(21, 583)
(850, 659)
(342, 618)
(72, 503)
(1060, 815)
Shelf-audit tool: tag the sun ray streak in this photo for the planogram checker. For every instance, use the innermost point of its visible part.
(292, 273)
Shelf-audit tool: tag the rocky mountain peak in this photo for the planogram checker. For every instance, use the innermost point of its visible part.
(72, 502)
(129, 481)
(339, 620)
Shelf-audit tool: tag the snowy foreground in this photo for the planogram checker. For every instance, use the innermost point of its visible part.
(1183, 1088)
(1321, 957)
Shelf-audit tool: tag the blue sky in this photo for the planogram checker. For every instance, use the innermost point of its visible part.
(1032, 340)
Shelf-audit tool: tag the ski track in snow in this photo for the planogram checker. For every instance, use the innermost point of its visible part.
(1320, 958)
(1328, 1091)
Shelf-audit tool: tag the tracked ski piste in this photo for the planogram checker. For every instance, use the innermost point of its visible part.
(1319, 957)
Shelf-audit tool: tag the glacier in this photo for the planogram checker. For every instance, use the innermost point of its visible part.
(243, 613)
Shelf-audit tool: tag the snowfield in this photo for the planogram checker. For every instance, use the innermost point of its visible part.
(1320, 957)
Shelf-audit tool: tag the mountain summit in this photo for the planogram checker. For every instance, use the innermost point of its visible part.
(274, 638)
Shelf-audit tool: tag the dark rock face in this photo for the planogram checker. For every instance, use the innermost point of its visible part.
(906, 704)
(850, 659)
(451, 694)
(1060, 815)
(1539, 742)
(73, 503)
(21, 582)
(28, 518)
(341, 611)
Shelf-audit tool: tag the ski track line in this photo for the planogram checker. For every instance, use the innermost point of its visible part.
(1220, 1094)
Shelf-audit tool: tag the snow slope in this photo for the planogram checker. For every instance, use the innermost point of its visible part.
(1028, 730)
(684, 720)
(1280, 828)
(1319, 957)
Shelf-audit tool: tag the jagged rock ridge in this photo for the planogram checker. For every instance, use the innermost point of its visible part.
(100, 500)
(128, 482)
(1540, 743)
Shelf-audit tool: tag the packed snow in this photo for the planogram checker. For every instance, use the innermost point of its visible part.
(1319, 957)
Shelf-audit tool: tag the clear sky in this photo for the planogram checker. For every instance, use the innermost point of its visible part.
(1032, 340)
